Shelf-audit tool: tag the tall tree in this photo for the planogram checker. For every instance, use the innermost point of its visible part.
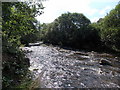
(18, 22)
(71, 29)
(110, 28)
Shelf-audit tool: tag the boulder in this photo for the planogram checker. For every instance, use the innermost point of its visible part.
(116, 64)
(35, 44)
(105, 62)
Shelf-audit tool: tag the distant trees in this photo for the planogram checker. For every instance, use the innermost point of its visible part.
(76, 30)
(72, 29)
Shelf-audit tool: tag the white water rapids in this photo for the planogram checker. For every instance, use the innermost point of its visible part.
(56, 67)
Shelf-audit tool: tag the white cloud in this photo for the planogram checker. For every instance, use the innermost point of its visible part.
(104, 1)
(105, 10)
(95, 19)
(55, 8)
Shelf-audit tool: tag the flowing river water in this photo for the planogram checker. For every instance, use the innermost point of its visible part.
(54, 67)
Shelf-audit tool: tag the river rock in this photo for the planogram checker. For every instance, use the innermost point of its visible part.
(35, 44)
(28, 51)
(105, 62)
(116, 64)
(80, 53)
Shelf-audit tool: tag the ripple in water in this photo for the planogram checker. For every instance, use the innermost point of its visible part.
(62, 68)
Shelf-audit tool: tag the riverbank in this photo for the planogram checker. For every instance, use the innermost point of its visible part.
(15, 68)
(100, 49)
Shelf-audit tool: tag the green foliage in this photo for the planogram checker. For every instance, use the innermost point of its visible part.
(18, 23)
(14, 68)
(75, 30)
(42, 31)
(18, 27)
(110, 28)
(72, 29)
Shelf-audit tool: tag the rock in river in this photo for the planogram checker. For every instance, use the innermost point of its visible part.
(105, 62)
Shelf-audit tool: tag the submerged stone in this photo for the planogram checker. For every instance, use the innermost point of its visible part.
(105, 62)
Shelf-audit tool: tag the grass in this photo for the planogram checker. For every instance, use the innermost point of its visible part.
(25, 84)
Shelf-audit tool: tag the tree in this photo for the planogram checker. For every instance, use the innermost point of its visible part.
(110, 28)
(71, 29)
(18, 23)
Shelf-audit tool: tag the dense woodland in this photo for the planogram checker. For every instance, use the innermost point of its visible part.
(75, 30)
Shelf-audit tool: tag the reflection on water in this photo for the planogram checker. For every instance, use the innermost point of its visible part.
(63, 68)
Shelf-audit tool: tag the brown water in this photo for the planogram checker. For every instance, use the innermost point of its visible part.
(53, 67)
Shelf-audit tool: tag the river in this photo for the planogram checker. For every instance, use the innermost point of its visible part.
(54, 67)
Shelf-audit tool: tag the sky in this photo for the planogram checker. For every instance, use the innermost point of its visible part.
(92, 9)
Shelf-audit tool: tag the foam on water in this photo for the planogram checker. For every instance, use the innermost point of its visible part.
(66, 68)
